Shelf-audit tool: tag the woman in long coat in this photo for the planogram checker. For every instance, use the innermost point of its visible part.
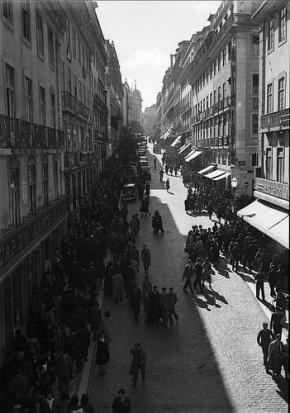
(102, 354)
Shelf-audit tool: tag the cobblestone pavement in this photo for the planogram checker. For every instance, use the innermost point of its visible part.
(207, 362)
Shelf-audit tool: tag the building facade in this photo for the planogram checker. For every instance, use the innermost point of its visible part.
(115, 94)
(271, 183)
(225, 101)
(149, 120)
(33, 207)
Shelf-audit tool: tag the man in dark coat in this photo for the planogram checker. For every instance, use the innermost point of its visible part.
(276, 323)
(264, 339)
(121, 403)
(198, 274)
(135, 297)
(154, 312)
(102, 354)
(138, 363)
(171, 301)
(187, 276)
(163, 307)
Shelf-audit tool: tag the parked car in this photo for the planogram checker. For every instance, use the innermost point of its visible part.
(142, 152)
(129, 192)
(156, 148)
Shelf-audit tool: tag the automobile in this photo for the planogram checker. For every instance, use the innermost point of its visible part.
(143, 163)
(141, 152)
(156, 148)
(129, 192)
(143, 158)
(145, 173)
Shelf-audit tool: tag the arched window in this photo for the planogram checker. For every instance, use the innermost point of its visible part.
(14, 192)
(31, 175)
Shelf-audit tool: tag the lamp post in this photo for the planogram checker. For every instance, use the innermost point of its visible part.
(246, 186)
(234, 184)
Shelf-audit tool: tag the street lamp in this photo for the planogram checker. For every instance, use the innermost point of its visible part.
(246, 187)
(234, 184)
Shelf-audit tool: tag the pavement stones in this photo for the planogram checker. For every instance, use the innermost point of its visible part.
(207, 362)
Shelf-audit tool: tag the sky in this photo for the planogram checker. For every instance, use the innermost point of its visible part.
(145, 33)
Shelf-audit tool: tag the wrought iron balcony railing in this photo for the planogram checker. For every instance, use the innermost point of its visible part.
(72, 104)
(18, 133)
(279, 119)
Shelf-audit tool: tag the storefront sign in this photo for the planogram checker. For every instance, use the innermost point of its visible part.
(276, 189)
(14, 242)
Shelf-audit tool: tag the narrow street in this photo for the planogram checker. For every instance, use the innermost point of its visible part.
(207, 362)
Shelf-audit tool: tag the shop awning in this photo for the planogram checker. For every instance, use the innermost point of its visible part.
(176, 141)
(207, 169)
(272, 221)
(214, 174)
(182, 149)
(224, 175)
(192, 155)
(166, 133)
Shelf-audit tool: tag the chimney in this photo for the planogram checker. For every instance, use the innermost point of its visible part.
(171, 60)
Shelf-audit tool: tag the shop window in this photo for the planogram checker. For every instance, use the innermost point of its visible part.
(280, 164)
(281, 93)
(39, 35)
(268, 164)
(282, 24)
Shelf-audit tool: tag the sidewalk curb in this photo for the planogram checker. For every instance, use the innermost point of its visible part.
(88, 367)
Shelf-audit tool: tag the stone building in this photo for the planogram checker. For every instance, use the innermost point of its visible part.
(115, 94)
(149, 119)
(33, 207)
(225, 82)
(135, 109)
(53, 138)
(271, 183)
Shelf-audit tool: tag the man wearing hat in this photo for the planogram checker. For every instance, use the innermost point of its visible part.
(121, 403)
(275, 356)
(146, 258)
(264, 338)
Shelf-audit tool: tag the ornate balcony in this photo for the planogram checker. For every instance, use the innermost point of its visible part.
(277, 120)
(73, 105)
(18, 133)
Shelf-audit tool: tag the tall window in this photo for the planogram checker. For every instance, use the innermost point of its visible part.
(26, 24)
(281, 93)
(255, 123)
(68, 40)
(50, 47)
(255, 45)
(254, 159)
(75, 87)
(79, 50)
(268, 166)
(42, 108)
(7, 11)
(80, 90)
(229, 50)
(10, 90)
(55, 178)
(45, 181)
(53, 112)
(74, 43)
(28, 99)
(282, 24)
(270, 98)
(32, 186)
(224, 56)
(69, 80)
(219, 93)
(255, 84)
(219, 63)
(214, 96)
(270, 45)
(224, 91)
(280, 164)
(14, 193)
(39, 34)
